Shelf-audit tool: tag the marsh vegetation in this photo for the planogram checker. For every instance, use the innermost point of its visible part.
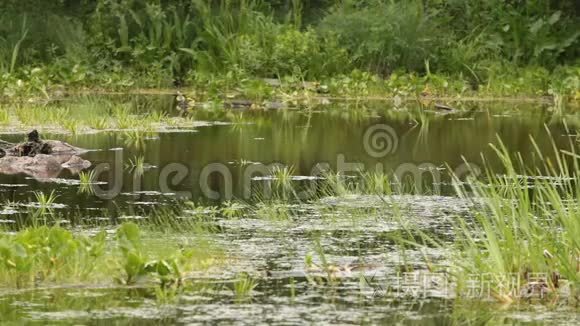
(226, 48)
(298, 235)
(237, 175)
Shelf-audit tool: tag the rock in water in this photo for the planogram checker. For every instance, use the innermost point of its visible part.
(41, 159)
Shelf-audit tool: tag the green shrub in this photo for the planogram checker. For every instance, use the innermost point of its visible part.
(306, 54)
(382, 36)
(527, 32)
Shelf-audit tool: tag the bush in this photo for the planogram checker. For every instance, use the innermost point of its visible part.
(384, 36)
(307, 54)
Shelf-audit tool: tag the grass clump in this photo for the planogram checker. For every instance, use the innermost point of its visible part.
(520, 241)
(243, 287)
(86, 180)
(136, 165)
(4, 116)
(45, 202)
(525, 229)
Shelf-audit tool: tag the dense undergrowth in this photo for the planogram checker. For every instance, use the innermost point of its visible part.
(462, 47)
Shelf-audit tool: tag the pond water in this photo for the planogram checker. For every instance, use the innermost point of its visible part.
(225, 155)
(193, 162)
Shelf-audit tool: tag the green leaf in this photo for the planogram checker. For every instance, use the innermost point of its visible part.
(536, 26)
(554, 18)
(123, 32)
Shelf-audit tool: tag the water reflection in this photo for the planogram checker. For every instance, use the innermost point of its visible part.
(331, 136)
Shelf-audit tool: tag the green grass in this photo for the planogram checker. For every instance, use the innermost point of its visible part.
(283, 183)
(99, 123)
(71, 126)
(243, 287)
(86, 181)
(87, 114)
(4, 116)
(521, 230)
(524, 222)
(273, 210)
(45, 201)
(136, 165)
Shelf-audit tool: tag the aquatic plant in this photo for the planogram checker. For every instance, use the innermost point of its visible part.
(37, 255)
(49, 254)
(72, 126)
(509, 234)
(323, 273)
(376, 182)
(282, 176)
(134, 263)
(335, 184)
(4, 116)
(524, 225)
(137, 265)
(274, 210)
(45, 201)
(243, 287)
(86, 181)
(158, 117)
(136, 165)
(99, 123)
(231, 209)
(125, 122)
(134, 138)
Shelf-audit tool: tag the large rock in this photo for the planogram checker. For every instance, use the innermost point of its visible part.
(43, 159)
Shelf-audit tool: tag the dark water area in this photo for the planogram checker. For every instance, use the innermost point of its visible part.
(230, 156)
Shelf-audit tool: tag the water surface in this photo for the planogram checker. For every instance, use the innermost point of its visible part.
(351, 229)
